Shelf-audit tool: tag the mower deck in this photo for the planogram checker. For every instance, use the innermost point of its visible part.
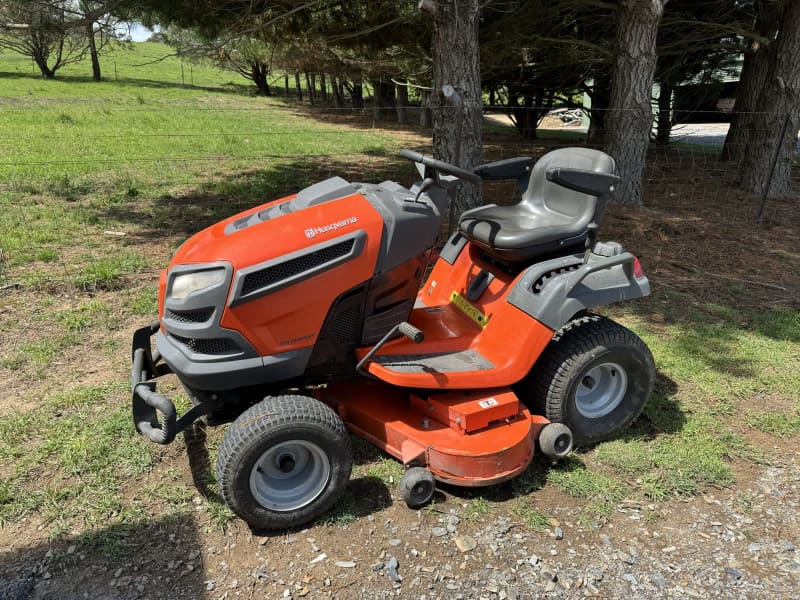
(473, 438)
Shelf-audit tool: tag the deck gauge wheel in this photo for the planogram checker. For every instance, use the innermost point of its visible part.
(417, 486)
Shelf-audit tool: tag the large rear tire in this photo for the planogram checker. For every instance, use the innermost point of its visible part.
(283, 462)
(595, 376)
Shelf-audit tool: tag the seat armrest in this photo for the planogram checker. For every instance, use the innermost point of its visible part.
(586, 182)
(511, 168)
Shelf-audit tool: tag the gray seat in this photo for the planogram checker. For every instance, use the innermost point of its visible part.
(549, 218)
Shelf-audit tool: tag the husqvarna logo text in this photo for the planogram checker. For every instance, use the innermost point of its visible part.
(313, 232)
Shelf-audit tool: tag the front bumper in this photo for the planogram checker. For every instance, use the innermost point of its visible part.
(153, 414)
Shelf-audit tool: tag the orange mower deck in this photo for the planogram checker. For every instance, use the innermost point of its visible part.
(474, 438)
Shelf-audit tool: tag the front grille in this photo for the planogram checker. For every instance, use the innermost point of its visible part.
(209, 346)
(276, 273)
(190, 316)
(539, 284)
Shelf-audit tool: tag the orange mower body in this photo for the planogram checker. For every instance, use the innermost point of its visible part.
(329, 311)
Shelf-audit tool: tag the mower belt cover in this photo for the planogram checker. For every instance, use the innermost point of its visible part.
(466, 412)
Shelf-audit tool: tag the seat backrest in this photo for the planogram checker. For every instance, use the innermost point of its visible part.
(544, 195)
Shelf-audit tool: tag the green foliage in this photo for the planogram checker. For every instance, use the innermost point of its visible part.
(534, 519)
(776, 423)
(388, 470)
(477, 508)
(108, 273)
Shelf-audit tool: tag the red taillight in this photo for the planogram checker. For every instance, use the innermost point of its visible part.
(638, 272)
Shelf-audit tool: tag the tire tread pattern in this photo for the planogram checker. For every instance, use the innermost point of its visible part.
(275, 413)
(584, 335)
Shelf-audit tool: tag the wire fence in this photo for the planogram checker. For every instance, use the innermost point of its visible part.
(688, 165)
(168, 169)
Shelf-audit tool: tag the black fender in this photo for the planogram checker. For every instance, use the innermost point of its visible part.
(554, 291)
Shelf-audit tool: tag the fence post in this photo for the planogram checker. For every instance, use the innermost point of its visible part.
(774, 164)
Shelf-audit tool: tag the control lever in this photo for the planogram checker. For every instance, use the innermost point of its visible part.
(424, 186)
(407, 329)
(414, 334)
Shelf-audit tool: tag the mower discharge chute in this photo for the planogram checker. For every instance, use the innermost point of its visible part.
(312, 316)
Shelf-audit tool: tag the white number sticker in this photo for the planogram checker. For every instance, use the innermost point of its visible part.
(487, 403)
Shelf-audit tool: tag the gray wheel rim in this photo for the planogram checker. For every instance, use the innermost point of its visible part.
(600, 390)
(290, 475)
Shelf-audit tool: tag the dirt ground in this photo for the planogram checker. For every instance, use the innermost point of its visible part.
(737, 542)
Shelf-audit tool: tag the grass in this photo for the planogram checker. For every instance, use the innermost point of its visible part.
(533, 518)
(477, 509)
(777, 423)
(93, 450)
(386, 469)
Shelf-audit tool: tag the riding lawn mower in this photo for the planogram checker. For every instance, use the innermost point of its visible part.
(317, 315)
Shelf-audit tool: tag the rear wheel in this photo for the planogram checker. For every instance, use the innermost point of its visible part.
(284, 461)
(595, 377)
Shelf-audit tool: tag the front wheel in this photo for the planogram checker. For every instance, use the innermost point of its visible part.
(283, 462)
(595, 377)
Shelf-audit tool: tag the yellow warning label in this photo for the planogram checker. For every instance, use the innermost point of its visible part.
(468, 309)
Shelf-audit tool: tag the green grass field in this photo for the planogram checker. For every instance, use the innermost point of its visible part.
(100, 182)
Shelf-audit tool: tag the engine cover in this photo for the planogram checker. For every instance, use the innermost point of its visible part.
(287, 265)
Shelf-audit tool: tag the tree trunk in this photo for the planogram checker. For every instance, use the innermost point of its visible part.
(310, 88)
(425, 115)
(323, 87)
(47, 72)
(601, 98)
(383, 97)
(402, 103)
(297, 86)
(357, 94)
(96, 75)
(286, 82)
(376, 102)
(337, 98)
(751, 81)
(779, 100)
(664, 128)
(457, 133)
(631, 114)
(258, 73)
(40, 56)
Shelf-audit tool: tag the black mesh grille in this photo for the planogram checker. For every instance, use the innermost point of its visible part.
(265, 277)
(209, 346)
(345, 326)
(190, 316)
(542, 281)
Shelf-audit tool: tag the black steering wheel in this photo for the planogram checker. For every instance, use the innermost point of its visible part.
(441, 166)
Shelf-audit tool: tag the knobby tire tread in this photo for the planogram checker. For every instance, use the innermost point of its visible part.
(272, 414)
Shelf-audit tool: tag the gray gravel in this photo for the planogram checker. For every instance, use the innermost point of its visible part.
(728, 544)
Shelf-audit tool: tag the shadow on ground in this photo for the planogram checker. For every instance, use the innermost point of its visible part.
(662, 416)
(134, 83)
(154, 559)
(187, 212)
